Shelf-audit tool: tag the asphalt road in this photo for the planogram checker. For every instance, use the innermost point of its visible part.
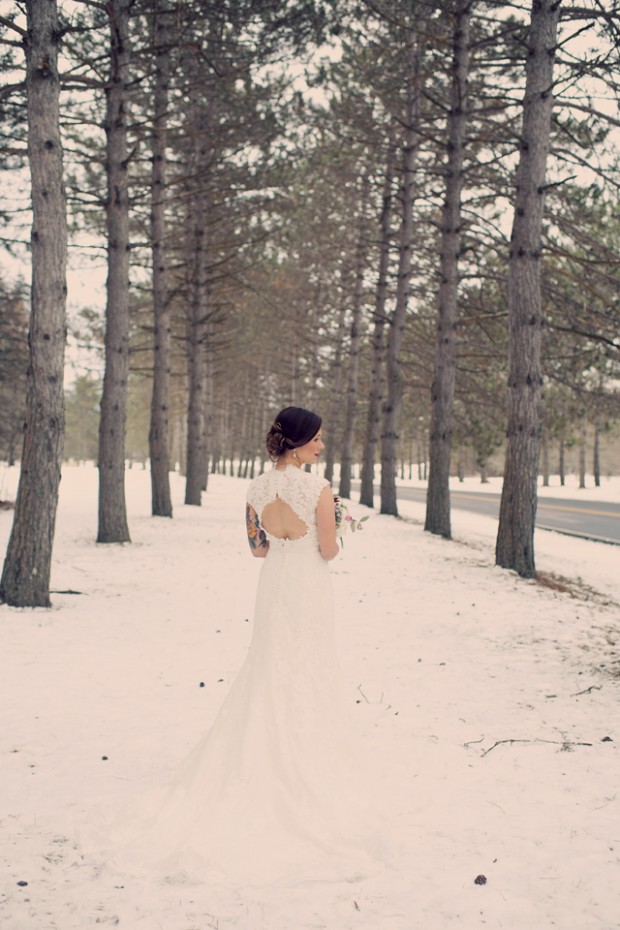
(587, 519)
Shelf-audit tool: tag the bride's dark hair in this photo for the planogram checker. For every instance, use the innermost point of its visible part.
(293, 427)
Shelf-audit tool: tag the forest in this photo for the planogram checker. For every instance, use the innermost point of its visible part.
(400, 213)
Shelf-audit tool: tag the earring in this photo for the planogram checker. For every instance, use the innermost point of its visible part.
(295, 456)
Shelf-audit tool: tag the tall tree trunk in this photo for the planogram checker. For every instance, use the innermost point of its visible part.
(208, 404)
(442, 389)
(197, 367)
(161, 503)
(561, 463)
(313, 347)
(515, 538)
(335, 380)
(377, 384)
(596, 455)
(393, 403)
(348, 433)
(197, 374)
(545, 459)
(583, 444)
(112, 510)
(26, 574)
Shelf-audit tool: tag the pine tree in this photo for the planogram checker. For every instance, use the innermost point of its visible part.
(113, 526)
(26, 574)
(442, 389)
(515, 538)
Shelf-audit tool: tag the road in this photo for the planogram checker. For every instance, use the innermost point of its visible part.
(586, 519)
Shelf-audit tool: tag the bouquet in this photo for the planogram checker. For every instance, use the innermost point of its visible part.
(344, 520)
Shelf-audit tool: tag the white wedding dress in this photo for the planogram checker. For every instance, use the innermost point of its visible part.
(276, 790)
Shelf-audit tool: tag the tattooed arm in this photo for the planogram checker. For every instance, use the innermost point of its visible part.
(259, 544)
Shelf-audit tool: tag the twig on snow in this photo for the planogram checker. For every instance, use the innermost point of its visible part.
(472, 742)
(368, 701)
(359, 688)
(587, 690)
(565, 744)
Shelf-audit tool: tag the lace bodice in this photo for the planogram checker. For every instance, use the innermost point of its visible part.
(297, 488)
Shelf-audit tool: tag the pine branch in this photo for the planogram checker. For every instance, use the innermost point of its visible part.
(578, 331)
(9, 89)
(592, 112)
(11, 25)
(75, 81)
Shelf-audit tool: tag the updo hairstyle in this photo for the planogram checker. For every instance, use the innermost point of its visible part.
(293, 427)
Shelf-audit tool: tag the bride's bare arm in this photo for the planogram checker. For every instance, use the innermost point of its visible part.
(326, 525)
(257, 538)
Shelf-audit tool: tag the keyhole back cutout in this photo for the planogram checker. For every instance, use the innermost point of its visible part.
(280, 520)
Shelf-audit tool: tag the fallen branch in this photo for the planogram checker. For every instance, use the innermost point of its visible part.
(587, 690)
(565, 744)
(472, 742)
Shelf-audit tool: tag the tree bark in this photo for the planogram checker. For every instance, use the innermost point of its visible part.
(314, 340)
(26, 574)
(377, 384)
(545, 458)
(333, 419)
(515, 538)
(583, 444)
(392, 407)
(112, 509)
(348, 433)
(596, 456)
(209, 401)
(161, 502)
(442, 389)
(197, 362)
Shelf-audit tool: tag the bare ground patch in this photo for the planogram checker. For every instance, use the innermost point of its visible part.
(574, 587)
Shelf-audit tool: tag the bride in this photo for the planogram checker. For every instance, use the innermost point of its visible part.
(273, 792)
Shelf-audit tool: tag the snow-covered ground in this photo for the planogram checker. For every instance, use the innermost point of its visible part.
(493, 701)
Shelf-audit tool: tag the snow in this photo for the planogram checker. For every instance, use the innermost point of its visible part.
(445, 657)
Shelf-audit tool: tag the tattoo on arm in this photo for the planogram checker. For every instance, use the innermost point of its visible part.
(256, 535)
